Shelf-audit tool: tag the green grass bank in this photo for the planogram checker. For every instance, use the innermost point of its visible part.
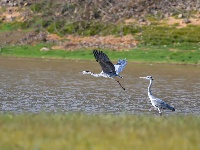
(97, 132)
(176, 54)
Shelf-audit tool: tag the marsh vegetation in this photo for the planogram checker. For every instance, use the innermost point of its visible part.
(81, 131)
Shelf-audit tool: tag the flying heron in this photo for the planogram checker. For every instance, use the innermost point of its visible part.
(156, 102)
(108, 69)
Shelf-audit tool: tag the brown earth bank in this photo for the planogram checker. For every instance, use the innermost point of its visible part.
(69, 42)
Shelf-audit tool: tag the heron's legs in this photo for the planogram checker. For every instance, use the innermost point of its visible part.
(120, 84)
(159, 111)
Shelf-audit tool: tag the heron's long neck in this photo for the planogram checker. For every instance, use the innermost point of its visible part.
(149, 88)
(95, 75)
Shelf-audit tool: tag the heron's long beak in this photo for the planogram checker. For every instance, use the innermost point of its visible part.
(143, 77)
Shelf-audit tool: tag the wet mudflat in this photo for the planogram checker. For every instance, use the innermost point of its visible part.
(56, 86)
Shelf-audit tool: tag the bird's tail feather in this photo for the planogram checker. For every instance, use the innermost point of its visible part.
(170, 107)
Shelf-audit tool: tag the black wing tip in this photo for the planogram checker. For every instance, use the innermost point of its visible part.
(94, 51)
(97, 53)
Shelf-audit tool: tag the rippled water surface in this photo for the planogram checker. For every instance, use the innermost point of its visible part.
(37, 85)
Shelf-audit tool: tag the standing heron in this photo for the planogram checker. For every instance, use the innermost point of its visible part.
(156, 102)
(108, 69)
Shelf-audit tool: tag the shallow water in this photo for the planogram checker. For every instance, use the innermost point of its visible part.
(37, 85)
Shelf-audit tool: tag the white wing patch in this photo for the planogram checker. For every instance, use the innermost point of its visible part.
(119, 67)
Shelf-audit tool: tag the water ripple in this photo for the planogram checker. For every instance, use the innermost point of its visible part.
(38, 86)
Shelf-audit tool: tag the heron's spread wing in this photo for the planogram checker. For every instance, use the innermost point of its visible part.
(119, 67)
(104, 61)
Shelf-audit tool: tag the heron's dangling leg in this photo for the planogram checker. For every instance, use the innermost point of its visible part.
(159, 111)
(120, 85)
